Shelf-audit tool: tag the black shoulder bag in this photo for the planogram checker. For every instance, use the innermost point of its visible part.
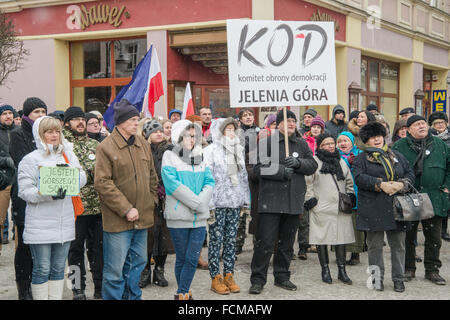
(345, 202)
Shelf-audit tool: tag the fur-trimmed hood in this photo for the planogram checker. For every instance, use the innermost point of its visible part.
(353, 127)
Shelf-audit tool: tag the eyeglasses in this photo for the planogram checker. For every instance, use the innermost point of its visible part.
(439, 123)
(93, 124)
(328, 144)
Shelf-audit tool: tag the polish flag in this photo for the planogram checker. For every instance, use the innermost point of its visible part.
(155, 86)
(188, 106)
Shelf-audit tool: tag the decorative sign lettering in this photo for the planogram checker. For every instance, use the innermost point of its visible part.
(53, 178)
(319, 16)
(440, 100)
(281, 63)
(82, 18)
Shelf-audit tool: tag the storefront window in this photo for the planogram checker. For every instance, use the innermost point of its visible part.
(389, 78)
(373, 80)
(92, 98)
(363, 75)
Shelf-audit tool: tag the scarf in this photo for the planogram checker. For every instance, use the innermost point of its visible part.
(381, 157)
(234, 154)
(422, 147)
(331, 163)
(193, 157)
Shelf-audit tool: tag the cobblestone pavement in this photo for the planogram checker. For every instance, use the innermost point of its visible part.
(305, 274)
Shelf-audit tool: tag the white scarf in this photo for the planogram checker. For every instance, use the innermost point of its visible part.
(234, 155)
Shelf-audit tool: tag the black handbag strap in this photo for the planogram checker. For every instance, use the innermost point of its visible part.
(335, 182)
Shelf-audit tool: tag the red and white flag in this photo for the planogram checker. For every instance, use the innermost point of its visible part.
(154, 87)
(188, 106)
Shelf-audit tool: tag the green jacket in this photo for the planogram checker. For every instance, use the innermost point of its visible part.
(84, 148)
(436, 172)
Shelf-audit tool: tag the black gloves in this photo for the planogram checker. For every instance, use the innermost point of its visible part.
(60, 195)
(353, 198)
(288, 173)
(292, 162)
(62, 165)
(309, 204)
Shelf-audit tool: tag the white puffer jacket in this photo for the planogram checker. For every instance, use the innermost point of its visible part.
(46, 220)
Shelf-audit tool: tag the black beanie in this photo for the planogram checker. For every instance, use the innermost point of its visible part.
(289, 114)
(413, 119)
(372, 107)
(353, 114)
(437, 115)
(90, 116)
(33, 103)
(123, 111)
(372, 129)
(322, 137)
(312, 112)
(73, 112)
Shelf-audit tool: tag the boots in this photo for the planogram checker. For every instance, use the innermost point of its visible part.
(445, 235)
(158, 277)
(322, 252)
(24, 289)
(55, 289)
(229, 282)
(40, 291)
(146, 278)
(78, 294)
(181, 296)
(97, 290)
(218, 286)
(340, 259)
(354, 260)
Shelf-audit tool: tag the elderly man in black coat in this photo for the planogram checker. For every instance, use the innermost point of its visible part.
(281, 196)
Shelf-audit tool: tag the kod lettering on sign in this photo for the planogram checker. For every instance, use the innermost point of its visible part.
(279, 63)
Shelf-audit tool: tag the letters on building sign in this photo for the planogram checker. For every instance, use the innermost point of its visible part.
(82, 18)
(319, 16)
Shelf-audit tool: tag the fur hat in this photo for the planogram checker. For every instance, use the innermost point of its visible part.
(372, 129)
(437, 115)
(226, 122)
(150, 127)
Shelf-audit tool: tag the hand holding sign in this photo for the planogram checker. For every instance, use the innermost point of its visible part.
(61, 194)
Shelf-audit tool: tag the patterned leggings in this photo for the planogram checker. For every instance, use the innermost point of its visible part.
(223, 231)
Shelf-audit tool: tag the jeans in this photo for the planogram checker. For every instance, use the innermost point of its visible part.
(223, 231)
(274, 228)
(5, 233)
(396, 240)
(187, 242)
(124, 258)
(83, 225)
(49, 261)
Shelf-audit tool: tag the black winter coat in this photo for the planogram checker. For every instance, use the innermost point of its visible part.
(375, 208)
(6, 173)
(276, 194)
(22, 143)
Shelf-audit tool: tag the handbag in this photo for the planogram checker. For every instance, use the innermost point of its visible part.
(413, 206)
(78, 207)
(345, 202)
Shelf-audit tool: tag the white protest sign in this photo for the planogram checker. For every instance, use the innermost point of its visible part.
(281, 63)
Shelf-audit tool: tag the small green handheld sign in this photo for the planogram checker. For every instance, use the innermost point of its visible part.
(53, 178)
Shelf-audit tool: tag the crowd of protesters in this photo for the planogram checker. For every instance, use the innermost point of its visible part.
(150, 187)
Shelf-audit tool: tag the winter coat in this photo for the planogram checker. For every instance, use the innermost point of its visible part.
(125, 178)
(21, 143)
(326, 224)
(189, 188)
(333, 126)
(46, 220)
(436, 171)
(225, 195)
(311, 141)
(375, 208)
(6, 171)
(84, 148)
(276, 194)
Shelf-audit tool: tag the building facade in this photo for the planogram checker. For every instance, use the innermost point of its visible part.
(388, 52)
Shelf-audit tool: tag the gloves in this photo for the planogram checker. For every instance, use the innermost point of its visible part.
(309, 204)
(391, 187)
(353, 198)
(9, 162)
(288, 173)
(62, 165)
(292, 162)
(60, 195)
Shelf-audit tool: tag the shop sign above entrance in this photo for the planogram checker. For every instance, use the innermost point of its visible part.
(281, 63)
(82, 18)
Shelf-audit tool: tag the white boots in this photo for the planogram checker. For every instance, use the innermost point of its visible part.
(51, 290)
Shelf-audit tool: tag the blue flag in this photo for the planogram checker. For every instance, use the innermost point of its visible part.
(133, 91)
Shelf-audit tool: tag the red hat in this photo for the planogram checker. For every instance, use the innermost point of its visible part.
(318, 121)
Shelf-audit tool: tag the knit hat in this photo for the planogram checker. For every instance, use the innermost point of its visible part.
(72, 113)
(372, 107)
(413, 119)
(90, 116)
(437, 115)
(317, 121)
(289, 115)
(372, 129)
(271, 118)
(175, 111)
(124, 110)
(6, 107)
(349, 135)
(150, 127)
(15, 113)
(312, 112)
(33, 103)
(406, 110)
(57, 115)
(323, 136)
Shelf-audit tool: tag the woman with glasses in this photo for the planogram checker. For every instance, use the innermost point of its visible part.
(93, 127)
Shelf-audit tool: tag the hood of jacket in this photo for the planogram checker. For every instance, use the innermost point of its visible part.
(40, 145)
(337, 108)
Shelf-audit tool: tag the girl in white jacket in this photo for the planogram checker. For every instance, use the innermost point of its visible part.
(49, 220)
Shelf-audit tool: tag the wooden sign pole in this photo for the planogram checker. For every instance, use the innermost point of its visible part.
(286, 136)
